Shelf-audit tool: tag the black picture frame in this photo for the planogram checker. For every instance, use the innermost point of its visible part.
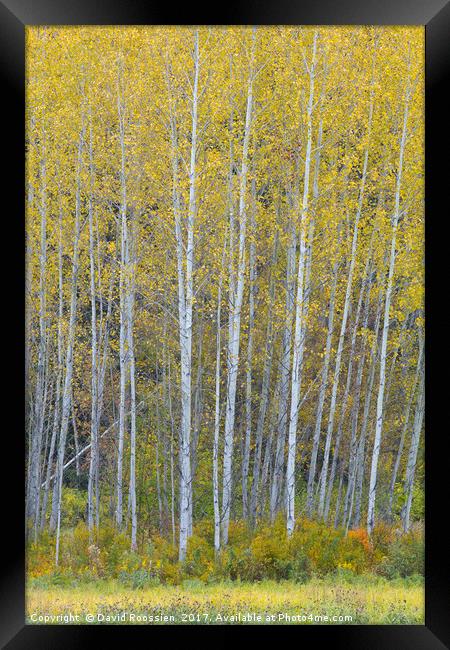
(435, 16)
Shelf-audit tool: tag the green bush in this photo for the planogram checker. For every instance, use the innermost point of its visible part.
(73, 506)
(268, 555)
(113, 547)
(405, 558)
(300, 568)
(40, 556)
(265, 554)
(320, 544)
(57, 578)
(199, 558)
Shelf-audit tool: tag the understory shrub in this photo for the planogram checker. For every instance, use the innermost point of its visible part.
(40, 556)
(266, 553)
(405, 556)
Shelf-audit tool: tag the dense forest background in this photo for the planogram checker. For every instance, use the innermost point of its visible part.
(224, 282)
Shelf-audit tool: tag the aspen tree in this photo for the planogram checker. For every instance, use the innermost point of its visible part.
(67, 391)
(248, 393)
(405, 428)
(123, 290)
(299, 324)
(337, 368)
(235, 323)
(385, 331)
(33, 495)
(413, 450)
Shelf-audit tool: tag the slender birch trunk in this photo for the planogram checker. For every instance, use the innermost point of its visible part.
(51, 452)
(46, 447)
(217, 415)
(186, 371)
(299, 324)
(345, 397)
(360, 457)
(198, 399)
(57, 409)
(340, 465)
(158, 477)
(94, 360)
(172, 472)
(28, 311)
(165, 425)
(264, 399)
(67, 391)
(34, 481)
(75, 437)
(131, 261)
(235, 324)
(321, 401)
(412, 456)
(185, 270)
(404, 430)
(337, 368)
(104, 340)
(282, 418)
(355, 408)
(248, 393)
(265, 473)
(385, 334)
(394, 361)
(123, 291)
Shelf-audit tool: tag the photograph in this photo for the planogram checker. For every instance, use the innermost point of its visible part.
(225, 325)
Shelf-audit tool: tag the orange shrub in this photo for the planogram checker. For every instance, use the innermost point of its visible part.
(353, 554)
(361, 535)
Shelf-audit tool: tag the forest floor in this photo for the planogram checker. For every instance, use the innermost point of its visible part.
(320, 601)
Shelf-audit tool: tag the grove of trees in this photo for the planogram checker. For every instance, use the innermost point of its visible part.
(224, 276)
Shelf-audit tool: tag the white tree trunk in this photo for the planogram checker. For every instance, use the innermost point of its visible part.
(283, 402)
(355, 409)
(34, 478)
(337, 368)
(264, 399)
(248, 393)
(94, 360)
(299, 324)
(130, 322)
(385, 334)
(404, 430)
(186, 332)
(217, 416)
(67, 391)
(321, 401)
(123, 291)
(57, 411)
(351, 354)
(360, 454)
(235, 323)
(412, 456)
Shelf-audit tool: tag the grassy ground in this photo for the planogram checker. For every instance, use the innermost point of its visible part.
(328, 601)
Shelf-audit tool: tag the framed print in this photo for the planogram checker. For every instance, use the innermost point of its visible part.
(231, 228)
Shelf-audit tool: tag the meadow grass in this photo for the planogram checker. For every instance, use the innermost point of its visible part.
(367, 600)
